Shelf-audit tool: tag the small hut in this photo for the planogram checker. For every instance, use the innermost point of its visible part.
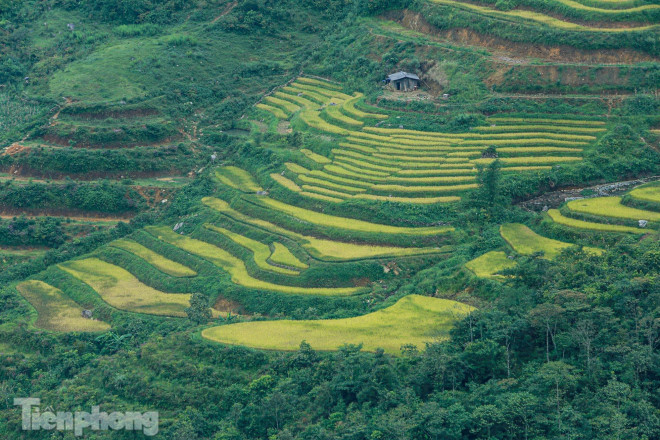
(403, 81)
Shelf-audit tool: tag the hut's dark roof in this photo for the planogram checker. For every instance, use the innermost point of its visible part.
(400, 75)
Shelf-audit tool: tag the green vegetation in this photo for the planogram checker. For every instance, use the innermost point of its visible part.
(413, 320)
(55, 311)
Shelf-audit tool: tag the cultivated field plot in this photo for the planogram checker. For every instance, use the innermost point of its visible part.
(647, 193)
(236, 267)
(414, 319)
(611, 208)
(568, 7)
(56, 311)
(560, 219)
(319, 248)
(158, 261)
(527, 242)
(122, 290)
(490, 264)
(410, 166)
(237, 178)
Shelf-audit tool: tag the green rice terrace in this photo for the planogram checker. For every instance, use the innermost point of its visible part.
(351, 219)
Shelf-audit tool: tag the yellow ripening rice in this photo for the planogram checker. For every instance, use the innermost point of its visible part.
(237, 178)
(260, 251)
(56, 311)
(423, 189)
(413, 200)
(647, 193)
(470, 169)
(315, 97)
(322, 197)
(322, 249)
(328, 93)
(349, 107)
(287, 183)
(513, 135)
(530, 160)
(372, 175)
(434, 179)
(312, 119)
(611, 207)
(528, 142)
(277, 112)
(283, 104)
(368, 172)
(315, 157)
(333, 113)
(236, 268)
(558, 218)
(332, 221)
(317, 82)
(339, 160)
(551, 128)
(122, 290)
(300, 101)
(490, 264)
(282, 255)
(413, 320)
(361, 148)
(329, 184)
(326, 191)
(295, 168)
(527, 242)
(156, 260)
(541, 150)
(425, 159)
(338, 179)
(533, 121)
(538, 18)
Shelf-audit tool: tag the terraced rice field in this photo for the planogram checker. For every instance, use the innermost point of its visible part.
(647, 193)
(490, 264)
(414, 319)
(611, 208)
(236, 267)
(321, 219)
(237, 178)
(537, 18)
(122, 290)
(527, 242)
(317, 247)
(158, 261)
(261, 252)
(282, 255)
(558, 218)
(381, 164)
(56, 311)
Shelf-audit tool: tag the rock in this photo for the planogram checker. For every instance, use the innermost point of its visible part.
(643, 223)
(545, 208)
(262, 193)
(87, 314)
(177, 226)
